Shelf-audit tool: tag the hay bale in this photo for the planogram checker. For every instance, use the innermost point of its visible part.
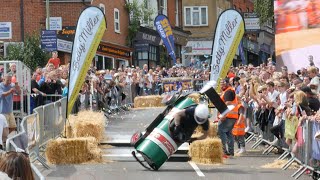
(277, 164)
(68, 132)
(73, 151)
(148, 101)
(87, 124)
(207, 151)
(212, 132)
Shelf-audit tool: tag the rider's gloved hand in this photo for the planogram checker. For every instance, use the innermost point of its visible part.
(191, 140)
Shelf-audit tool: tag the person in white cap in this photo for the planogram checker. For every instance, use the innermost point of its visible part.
(187, 120)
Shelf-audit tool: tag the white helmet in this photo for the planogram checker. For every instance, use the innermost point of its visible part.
(201, 113)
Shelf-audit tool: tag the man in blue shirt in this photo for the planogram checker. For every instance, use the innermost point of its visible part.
(7, 89)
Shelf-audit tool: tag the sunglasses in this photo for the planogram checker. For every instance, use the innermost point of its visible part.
(12, 152)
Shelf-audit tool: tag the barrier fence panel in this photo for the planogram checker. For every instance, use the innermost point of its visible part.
(60, 108)
(47, 123)
(128, 92)
(40, 116)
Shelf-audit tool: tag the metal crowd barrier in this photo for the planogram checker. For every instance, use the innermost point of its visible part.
(37, 129)
(305, 151)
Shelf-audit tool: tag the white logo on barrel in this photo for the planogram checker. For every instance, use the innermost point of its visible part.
(163, 140)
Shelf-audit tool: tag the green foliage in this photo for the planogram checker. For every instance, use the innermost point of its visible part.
(264, 8)
(138, 13)
(30, 53)
(14, 52)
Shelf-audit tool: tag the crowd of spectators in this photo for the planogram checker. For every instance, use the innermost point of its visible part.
(277, 103)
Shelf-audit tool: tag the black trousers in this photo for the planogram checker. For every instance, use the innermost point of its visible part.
(278, 130)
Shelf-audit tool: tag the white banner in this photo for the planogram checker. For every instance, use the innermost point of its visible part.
(229, 32)
(63, 45)
(90, 29)
(5, 30)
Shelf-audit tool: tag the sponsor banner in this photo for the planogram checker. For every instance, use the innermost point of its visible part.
(164, 141)
(164, 29)
(251, 21)
(5, 30)
(174, 86)
(228, 34)
(63, 45)
(90, 29)
(48, 40)
(297, 29)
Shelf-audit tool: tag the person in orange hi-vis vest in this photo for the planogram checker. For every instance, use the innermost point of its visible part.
(239, 130)
(227, 121)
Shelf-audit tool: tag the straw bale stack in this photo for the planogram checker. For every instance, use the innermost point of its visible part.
(73, 151)
(212, 132)
(86, 124)
(148, 101)
(207, 151)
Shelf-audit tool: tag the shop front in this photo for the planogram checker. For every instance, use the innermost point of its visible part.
(146, 48)
(65, 39)
(252, 50)
(197, 50)
(111, 56)
(265, 52)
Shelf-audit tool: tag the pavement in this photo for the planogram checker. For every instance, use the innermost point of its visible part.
(119, 164)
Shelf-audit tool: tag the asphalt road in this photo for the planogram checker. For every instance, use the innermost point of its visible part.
(118, 163)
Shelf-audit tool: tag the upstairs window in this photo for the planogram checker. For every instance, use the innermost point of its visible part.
(196, 16)
(116, 20)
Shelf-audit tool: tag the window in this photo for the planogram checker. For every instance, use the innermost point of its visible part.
(146, 19)
(116, 20)
(177, 14)
(196, 16)
(248, 10)
(153, 53)
(103, 8)
(240, 10)
(142, 55)
(234, 7)
(163, 7)
(269, 24)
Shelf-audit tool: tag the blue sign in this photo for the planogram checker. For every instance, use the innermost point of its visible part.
(49, 40)
(242, 55)
(164, 29)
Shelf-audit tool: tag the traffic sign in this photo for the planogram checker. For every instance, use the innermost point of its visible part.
(48, 40)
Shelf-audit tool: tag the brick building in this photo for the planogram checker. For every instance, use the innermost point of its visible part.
(147, 43)
(258, 44)
(243, 5)
(29, 16)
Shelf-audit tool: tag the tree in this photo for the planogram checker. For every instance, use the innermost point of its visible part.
(138, 13)
(29, 53)
(264, 9)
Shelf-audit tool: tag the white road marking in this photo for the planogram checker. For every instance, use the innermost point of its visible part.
(120, 155)
(195, 167)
